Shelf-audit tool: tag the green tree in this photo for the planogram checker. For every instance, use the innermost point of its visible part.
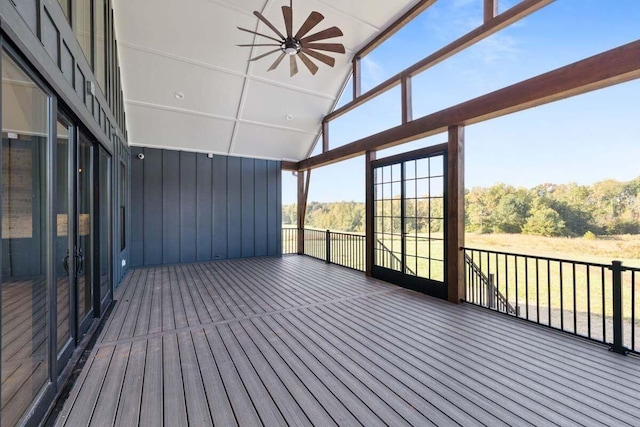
(544, 221)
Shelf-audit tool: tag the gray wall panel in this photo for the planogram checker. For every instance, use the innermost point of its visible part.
(220, 214)
(50, 36)
(261, 208)
(188, 217)
(170, 207)
(248, 207)
(234, 207)
(137, 209)
(66, 62)
(152, 199)
(193, 208)
(204, 203)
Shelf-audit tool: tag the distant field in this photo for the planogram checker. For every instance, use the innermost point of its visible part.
(604, 249)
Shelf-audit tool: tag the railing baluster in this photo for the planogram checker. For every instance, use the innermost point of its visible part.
(604, 309)
(561, 298)
(633, 310)
(589, 299)
(575, 305)
(526, 284)
(549, 292)
(537, 291)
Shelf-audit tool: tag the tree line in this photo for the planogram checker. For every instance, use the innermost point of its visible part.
(605, 208)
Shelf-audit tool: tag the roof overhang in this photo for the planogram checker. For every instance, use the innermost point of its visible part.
(230, 105)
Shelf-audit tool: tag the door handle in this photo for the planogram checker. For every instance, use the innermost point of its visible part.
(65, 263)
(79, 257)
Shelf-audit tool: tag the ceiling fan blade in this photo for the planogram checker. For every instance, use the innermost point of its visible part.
(287, 13)
(314, 19)
(329, 33)
(278, 61)
(293, 65)
(268, 24)
(329, 47)
(263, 55)
(252, 45)
(306, 61)
(258, 34)
(320, 56)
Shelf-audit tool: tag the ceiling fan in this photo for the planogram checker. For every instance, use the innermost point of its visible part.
(299, 44)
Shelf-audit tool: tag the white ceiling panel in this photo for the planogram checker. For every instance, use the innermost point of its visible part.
(158, 80)
(154, 127)
(287, 107)
(198, 30)
(231, 105)
(269, 143)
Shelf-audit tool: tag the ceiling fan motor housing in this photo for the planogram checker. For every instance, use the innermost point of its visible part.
(291, 46)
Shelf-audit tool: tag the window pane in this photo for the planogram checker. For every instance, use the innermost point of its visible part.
(101, 45)
(65, 7)
(105, 209)
(62, 236)
(25, 284)
(82, 27)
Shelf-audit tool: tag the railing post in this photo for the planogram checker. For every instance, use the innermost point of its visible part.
(328, 243)
(491, 292)
(618, 346)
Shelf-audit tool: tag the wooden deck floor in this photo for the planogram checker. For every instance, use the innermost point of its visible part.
(294, 341)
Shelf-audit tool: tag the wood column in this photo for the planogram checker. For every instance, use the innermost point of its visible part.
(303, 193)
(370, 156)
(455, 214)
(357, 77)
(490, 10)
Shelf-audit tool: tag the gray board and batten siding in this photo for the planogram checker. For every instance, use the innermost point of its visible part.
(192, 208)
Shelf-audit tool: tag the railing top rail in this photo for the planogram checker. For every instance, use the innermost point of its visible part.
(346, 233)
(542, 258)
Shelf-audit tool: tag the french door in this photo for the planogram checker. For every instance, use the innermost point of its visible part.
(75, 246)
(409, 216)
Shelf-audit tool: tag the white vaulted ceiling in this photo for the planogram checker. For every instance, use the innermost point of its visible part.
(232, 106)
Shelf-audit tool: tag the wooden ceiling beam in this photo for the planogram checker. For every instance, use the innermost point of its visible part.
(288, 166)
(606, 69)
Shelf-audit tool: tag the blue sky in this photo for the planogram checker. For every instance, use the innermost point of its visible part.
(582, 139)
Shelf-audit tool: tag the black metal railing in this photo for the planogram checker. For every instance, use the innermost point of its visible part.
(596, 301)
(345, 249)
(289, 240)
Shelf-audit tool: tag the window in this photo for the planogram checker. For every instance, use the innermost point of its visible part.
(101, 45)
(82, 26)
(25, 315)
(66, 7)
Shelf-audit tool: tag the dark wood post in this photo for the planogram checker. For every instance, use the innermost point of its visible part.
(490, 10)
(370, 156)
(357, 78)
(325, 136)
(455, 216)
(407, 103)
(303, 192)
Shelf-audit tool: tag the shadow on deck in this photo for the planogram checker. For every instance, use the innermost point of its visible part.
(294, 341)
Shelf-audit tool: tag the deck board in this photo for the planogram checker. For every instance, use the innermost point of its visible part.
(294, 341)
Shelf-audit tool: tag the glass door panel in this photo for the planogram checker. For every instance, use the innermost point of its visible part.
(25, 281)
(64, 245)
(409, 222)
(105, 224)
(84, 228)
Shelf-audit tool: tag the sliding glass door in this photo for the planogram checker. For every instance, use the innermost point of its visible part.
(26, 281)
